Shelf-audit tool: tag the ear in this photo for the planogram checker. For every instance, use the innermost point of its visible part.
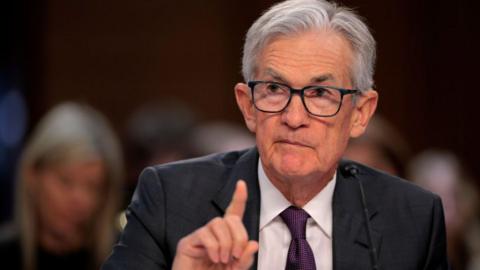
(363, 111)
(244, 102)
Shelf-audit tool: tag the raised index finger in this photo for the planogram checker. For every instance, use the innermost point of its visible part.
(239, 200)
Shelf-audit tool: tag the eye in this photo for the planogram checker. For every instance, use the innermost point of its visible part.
(273, 88)
(317, 92)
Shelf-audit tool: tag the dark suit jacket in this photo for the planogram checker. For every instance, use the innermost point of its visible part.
(175, 199)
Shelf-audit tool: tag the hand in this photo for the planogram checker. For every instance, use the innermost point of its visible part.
(222, 243)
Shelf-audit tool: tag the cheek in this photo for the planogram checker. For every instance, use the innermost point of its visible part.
(265, 132)
(93, 202)
(336, 139)
(331, 140)
(50, 201)
(332, 149)
(48, 192)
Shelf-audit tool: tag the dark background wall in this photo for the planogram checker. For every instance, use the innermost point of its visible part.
(116, 55)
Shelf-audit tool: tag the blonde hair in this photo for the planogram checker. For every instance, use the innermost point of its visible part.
(67, 133)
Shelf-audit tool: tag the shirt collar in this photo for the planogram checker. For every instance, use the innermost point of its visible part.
(273, 203)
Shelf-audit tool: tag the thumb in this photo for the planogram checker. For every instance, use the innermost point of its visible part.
(246, 260)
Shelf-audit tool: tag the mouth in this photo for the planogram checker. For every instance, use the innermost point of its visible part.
(295, 143)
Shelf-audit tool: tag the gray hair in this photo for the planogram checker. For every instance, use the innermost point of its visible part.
(70, 132)
(296, 16)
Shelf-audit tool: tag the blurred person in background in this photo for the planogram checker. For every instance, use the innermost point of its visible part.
(68, 192)
(381, 147)
(442, 173)
(156, 133)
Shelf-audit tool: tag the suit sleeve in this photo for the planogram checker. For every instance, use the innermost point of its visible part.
(141, 245)
(437, 249)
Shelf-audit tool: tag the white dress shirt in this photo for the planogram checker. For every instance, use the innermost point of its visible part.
(274, 238)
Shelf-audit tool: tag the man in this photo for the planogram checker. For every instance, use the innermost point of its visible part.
(308, 66)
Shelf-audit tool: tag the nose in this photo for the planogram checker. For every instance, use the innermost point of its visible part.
(295, 115)
(82, 203)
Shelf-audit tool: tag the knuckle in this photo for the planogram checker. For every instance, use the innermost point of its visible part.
(224, 240)
(203, 233)
(238, 230)
(212, 245)
(182, 243)
(234, 220)
(215, 221)
(242, 237)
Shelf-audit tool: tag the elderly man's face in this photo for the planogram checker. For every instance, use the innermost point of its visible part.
(294, 144)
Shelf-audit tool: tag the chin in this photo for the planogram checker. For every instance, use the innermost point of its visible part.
(293, 160)
(292, 168)
(292, 175)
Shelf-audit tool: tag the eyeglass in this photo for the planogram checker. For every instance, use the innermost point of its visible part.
(274, 97)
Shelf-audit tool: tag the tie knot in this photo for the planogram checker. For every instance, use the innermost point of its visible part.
(296, 220)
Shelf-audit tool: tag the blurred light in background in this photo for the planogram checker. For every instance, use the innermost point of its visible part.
(13, 118)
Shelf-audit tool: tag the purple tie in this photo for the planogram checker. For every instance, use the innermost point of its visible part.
(300, 255)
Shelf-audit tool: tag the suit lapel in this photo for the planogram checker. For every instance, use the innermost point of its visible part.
(350, 239)
(246, 169)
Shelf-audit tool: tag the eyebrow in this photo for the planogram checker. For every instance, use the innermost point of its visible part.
(275, 75)
(322, 78)
(317, 79)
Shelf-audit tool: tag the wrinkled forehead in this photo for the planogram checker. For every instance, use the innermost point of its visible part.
(313, 54)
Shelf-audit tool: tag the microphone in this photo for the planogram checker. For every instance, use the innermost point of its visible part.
(353, 170)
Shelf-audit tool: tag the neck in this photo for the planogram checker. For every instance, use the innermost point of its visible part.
(300, 191)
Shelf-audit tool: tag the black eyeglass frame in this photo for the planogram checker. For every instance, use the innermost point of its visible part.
(300, 92)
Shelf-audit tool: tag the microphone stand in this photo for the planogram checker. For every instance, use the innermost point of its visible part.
(353, 170)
